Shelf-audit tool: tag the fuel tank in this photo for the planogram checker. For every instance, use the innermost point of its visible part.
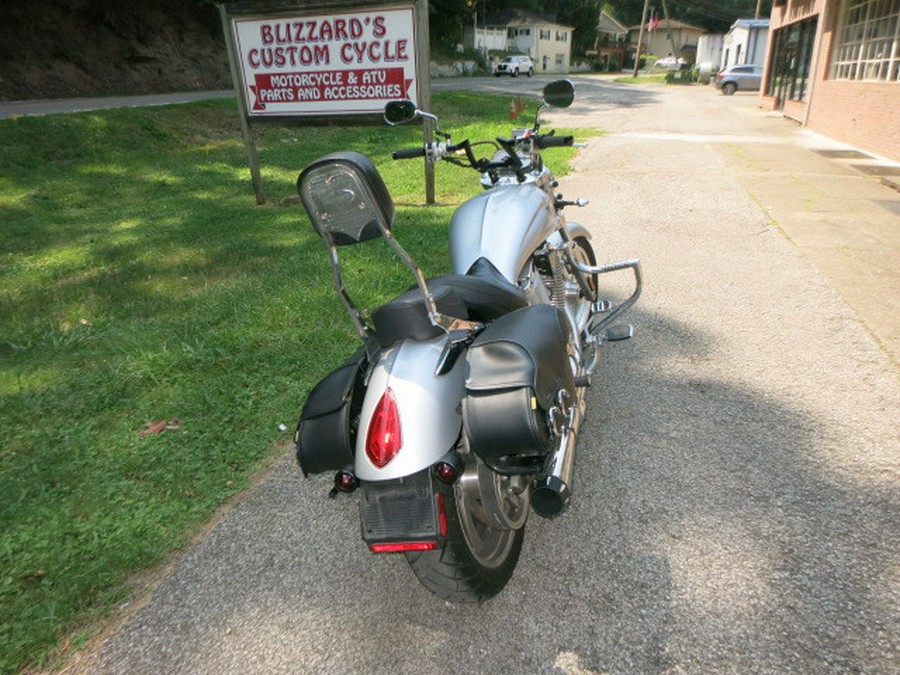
(504, 225)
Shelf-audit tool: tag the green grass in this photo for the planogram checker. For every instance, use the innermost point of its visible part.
(654, 78)
(138, 282)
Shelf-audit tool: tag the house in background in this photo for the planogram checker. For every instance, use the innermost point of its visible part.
(709, 55)
(710, 47)
(745, 43)
(834, 66)
(669, 37)
(549, 44)
(611, 43)
(485, 40)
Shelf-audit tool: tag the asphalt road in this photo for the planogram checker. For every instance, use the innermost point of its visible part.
(736, 503)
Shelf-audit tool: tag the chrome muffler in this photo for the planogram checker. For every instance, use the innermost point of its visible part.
(552, 489)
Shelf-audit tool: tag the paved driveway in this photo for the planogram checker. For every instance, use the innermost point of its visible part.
(736, 504)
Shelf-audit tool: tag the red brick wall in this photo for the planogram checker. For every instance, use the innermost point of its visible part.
(862, 114)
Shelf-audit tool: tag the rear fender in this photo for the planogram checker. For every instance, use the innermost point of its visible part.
(429, 407)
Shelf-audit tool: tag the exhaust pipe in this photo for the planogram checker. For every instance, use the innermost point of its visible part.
(551, 491)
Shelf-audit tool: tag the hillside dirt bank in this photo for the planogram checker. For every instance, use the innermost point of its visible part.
(68, 48)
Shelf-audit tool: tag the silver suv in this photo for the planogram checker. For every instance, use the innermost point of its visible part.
(745, 78)
(513, 65)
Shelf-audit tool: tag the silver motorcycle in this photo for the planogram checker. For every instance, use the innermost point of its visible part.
(461, 411)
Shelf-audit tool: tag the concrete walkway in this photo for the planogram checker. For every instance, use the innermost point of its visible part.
(838, 205)
(53, 106)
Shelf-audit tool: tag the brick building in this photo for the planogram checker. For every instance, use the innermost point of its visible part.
(834, 66)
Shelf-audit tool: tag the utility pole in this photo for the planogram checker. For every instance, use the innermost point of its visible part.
(640, 44)
(758, 5)
(669, 29)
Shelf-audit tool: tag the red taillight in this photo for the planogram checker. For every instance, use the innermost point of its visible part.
(442, 514)
(383, 440)
(403, 546)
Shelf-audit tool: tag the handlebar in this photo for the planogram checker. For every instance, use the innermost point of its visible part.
(550, 141)
(408, 153)
(511, 162)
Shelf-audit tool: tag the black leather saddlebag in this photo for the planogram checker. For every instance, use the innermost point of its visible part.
(326, 432)
(515, 369)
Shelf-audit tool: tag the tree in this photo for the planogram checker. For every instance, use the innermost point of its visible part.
(447, 19)
(583, 15)
(714, 15)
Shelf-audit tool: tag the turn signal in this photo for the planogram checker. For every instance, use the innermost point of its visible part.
(383, 440)
(446, 472)
(345, 481)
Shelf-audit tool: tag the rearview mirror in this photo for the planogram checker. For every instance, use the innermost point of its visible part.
(399, 112)
(559, 94)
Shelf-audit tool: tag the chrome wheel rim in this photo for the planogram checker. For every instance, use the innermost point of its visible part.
(491, 509)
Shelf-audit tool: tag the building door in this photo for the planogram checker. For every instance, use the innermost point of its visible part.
(791, 58)
(785, 57)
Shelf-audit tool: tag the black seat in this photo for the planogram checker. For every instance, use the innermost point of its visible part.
(482, 294)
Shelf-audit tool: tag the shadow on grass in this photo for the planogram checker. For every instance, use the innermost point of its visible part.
(139, 281)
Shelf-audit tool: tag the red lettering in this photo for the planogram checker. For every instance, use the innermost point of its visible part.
(340, 29)
(347, 52)
(320, 55)
(265, 32)
(378, 29)
(279, 57)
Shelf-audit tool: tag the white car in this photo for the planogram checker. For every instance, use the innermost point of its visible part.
(669, 63)
(513, 65)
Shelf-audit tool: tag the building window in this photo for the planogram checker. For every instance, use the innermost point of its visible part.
(545, 34)
(868, 42)
(559, 59)
(562, 36)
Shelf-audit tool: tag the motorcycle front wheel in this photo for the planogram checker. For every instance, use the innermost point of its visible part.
(485, 514)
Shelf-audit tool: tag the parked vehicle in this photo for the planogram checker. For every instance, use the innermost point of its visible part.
(734, 78)
(670, 63)
(513, 65)
(459, 414)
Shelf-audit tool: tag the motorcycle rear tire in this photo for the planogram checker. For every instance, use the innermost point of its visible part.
(460, 573)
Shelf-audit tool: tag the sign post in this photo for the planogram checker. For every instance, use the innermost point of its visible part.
(325, 63)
